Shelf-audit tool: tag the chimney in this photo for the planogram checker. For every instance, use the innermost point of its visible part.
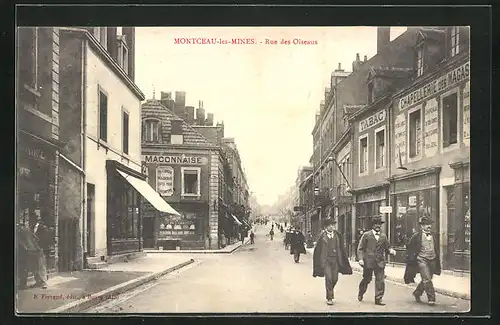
(356, 64)
(176, 136)
(129, 33)
(339, 69)
(189, 115)
(383, 38)
(210, 119)
(200, 116)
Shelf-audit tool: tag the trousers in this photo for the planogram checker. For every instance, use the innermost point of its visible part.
(34, 262)
(379, 282)
(331, 276)
(426, 269)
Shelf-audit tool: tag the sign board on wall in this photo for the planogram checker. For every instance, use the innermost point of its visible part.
(400, 138)
(466, 119)
(165, 180)
(431, 127)
(449, 79)
(175, 160)
(385, 209)
(373, 120)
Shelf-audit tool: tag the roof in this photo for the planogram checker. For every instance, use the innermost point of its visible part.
(208, 132)
(390, 72)
(153, 108)
(431, 33)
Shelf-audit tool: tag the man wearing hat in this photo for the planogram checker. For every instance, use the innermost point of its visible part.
(422, 256)
(372, 248)
(330, 258)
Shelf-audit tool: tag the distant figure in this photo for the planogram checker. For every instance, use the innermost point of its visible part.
(252, 236)
(297, 242)
(271, 233)
(288, 237)
(309, 240)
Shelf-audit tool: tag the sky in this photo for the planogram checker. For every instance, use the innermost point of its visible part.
(266, 94)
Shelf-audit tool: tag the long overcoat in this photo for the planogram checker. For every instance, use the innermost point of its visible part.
(320, 252)
(297, 241)
(412, 251)
(372, 251)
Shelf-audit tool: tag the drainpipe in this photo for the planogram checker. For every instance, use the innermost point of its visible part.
(83, 157)
(389, 166)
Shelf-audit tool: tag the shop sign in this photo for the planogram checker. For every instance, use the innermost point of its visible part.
(373, 120)
(466, 119)
(412, 200)
(385, 209)
(371, 196)
(400, 138)
(36, 153)
(431, 127)
(402, 210)
(414, 183)
(451, 78)
(165, 180)
(176, 160)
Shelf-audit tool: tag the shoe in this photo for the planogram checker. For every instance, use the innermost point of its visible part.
(39, 285)
(360, 297)
(329, 302)
(417, 297)
(431, 303)
(379, 303)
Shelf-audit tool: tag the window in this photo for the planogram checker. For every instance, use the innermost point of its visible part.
(363, 154)
(122, 53)
(420, 61)
(28, 56)
(455, 41)
(190, 181)
(370, 92)
(124, 212)
(415, 141)
(151, 131)
(125, 132)
(100, 33)
(103, 116)
(379, 149)
(450, 120)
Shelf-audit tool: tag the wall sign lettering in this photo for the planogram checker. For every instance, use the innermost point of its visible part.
(466, 119)
(431, 127)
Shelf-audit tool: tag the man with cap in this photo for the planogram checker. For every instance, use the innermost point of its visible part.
(330, 258)
(422, 256)
(372, 248)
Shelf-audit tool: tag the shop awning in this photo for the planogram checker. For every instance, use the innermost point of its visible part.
(149, 193)
(236, 219)
(246, 223)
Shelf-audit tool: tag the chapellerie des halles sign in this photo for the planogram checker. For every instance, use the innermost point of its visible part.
(175, 160)
(449, 79)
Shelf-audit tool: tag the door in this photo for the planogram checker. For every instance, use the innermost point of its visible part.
(67, 245)
(89, 229)
(148, 232)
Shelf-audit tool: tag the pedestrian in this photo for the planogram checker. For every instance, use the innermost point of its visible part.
(372, 248)
(297, 242)
(271, 233)
(422, 256)
(330, 258)
(288, 236)
(252, 237)
(309, 241)
(41, 231)
(30, 258)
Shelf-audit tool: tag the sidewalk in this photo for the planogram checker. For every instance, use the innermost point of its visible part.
(445, 284)
(226, 250)
(72, 292)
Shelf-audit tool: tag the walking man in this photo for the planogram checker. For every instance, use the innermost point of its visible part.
(30, 258)
(372, 248)
(330, 258)
(297, 244)
(271, 233)
(252, 236)
(422, 255)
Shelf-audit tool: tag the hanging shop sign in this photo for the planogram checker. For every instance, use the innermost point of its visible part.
(449, 79)
(371, 121)
(175, 160)
(165, 180)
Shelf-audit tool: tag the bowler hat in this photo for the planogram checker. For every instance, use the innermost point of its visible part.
(425, 220)
(329, 221)
(377, 220)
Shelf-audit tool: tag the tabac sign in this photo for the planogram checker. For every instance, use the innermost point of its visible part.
(452, 77)
(373, 120)
(174, 160)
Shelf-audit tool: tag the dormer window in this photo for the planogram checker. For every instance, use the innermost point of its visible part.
(455, 41)
(420, 61)
(151, 131)
(122, 52)
(100, 33)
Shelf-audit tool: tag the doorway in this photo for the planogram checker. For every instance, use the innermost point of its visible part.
(148, 232)
(89, 230)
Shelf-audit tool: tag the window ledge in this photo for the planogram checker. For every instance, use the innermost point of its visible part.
(365, 173)
(190, 195)
(103, 143)
(380, 169)
(451, 147)
(414, 159)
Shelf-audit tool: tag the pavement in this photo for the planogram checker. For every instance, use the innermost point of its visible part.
(262, 278)
(226, 250)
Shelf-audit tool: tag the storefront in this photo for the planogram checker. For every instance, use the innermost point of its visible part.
(413, 196)
(36, 189)
(343, 211)
(458, 219)
(368, 203)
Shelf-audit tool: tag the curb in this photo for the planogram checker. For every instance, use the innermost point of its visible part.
(192, 252)
(442, 291)
(99, 297)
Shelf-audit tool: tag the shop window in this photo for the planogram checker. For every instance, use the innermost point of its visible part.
(103, 116)
(101, 34)
(125, 134)
(455, 41)
(151, 131)
(363, 154)
(190, 181)
(450, 120)
(123, 215)
(415, 135)
(420, 61)
(380, 149)
(28, 51)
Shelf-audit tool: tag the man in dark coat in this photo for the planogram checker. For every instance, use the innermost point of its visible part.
(30, 258)
(297, 242)
(422, 256)
(41, 231)
(372, 249)
(330, 258)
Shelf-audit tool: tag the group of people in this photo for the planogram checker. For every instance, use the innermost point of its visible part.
(295, 240)
(422, 256)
